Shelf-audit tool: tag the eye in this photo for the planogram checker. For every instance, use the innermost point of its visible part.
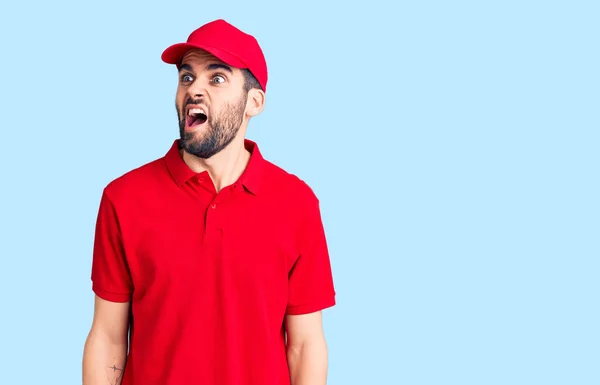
(218, 79)
(187, 78)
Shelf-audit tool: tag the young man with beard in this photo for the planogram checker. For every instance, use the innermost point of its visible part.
(210, 264)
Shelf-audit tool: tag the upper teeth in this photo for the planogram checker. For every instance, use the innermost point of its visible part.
(196, 111)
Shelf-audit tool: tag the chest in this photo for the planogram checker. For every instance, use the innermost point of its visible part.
(211, 246)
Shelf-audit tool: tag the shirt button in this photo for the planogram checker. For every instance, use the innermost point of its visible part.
(214, 206)
(200, 180)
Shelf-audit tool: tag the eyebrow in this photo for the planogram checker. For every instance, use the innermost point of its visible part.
(216, 66)
(210, 67)
(185, 67)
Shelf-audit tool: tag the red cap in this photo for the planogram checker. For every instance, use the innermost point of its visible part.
(228, 44)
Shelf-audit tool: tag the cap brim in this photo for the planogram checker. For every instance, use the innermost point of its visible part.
(174, 53)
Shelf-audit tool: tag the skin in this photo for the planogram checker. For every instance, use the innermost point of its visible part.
(216, 146)
(105, 350)
(306, 349)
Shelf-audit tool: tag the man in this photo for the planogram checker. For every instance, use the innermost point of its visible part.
(210, 264)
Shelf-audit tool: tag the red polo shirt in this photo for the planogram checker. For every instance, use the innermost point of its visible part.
(210, 276)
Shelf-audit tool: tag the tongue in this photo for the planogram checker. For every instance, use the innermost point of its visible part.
(192, 121)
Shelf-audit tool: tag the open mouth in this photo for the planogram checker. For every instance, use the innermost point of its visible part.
(196, 117)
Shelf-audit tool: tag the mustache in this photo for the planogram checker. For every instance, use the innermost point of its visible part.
(193, 101)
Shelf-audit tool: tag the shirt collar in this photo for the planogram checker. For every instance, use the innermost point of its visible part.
(250, 178)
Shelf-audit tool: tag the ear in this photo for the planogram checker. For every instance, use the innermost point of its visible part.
(255, 103)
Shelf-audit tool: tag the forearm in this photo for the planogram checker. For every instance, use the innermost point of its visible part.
(103, 360)
(308, 363)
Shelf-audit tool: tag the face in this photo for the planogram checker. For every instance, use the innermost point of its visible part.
(211, 104)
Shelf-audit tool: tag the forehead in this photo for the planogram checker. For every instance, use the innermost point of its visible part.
(197, 57)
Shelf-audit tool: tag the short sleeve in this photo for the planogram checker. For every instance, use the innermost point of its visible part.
(311, 286)
(110, 274)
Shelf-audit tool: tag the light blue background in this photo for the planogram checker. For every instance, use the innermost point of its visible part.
(453, 145)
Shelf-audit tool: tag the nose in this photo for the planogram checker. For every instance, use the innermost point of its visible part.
(197, 89)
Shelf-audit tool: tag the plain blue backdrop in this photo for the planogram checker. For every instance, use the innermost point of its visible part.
(453, 145)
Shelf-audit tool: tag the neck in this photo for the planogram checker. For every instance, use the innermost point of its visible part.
(224, 168)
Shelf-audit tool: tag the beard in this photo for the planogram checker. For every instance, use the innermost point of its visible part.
(221, 128)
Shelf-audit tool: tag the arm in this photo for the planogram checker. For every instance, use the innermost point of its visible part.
(306, 349)
(105, 350)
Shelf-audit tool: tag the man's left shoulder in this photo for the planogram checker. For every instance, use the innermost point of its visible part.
(289, 184)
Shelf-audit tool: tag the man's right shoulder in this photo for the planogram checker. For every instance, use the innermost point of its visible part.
(135, 181)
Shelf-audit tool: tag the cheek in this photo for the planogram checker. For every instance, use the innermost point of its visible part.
(180, 97)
